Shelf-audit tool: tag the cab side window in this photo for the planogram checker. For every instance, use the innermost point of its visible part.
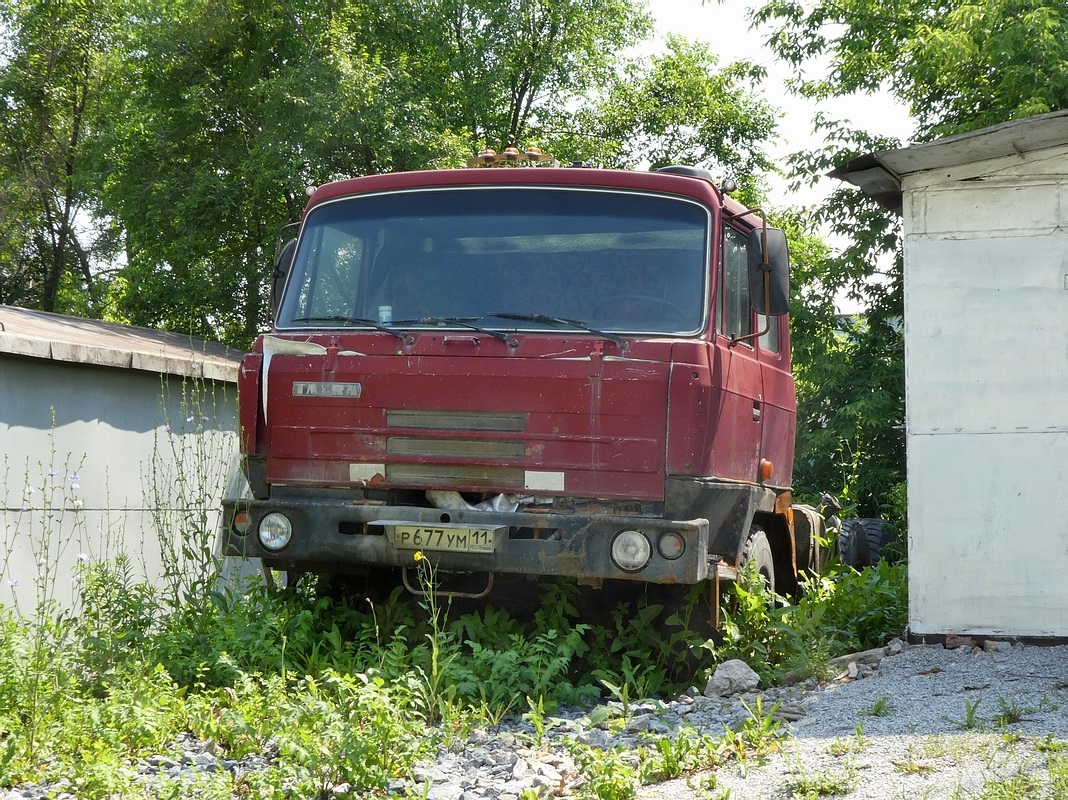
(736, 313)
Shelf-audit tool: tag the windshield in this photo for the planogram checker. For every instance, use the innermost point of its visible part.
(503, 258)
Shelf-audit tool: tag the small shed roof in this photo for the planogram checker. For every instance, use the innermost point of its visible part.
(38, 334)
(879, 174)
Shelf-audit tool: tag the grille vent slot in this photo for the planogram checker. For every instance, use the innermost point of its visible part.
(456, 420)
(437, 474)
(453, 448)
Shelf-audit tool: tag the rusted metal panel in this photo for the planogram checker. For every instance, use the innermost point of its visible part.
(575, 545)
(691, 412)
(623, 179)
(779, 413)
(600, 423)
(736, 444)
(728, 506)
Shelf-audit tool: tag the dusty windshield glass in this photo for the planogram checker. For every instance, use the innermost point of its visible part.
(616, 261)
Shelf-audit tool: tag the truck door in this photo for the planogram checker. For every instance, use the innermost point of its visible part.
(779, 407)
(736, 452)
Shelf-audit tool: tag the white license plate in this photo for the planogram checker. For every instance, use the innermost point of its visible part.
(440, 537)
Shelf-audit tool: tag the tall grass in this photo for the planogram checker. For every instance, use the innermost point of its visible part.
(840, 611)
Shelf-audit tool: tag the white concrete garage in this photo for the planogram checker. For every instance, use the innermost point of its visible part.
(986, 374)
(113, 441)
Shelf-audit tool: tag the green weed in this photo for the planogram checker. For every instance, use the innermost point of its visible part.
(971, 718)
(880, 708)
(686, 752)
(1010, 788)
(839, 612)
(1050, 745)
(609, 774)
(1009, 712)
(758, 734)
(841, 747)
(811, 786)
(912, 768)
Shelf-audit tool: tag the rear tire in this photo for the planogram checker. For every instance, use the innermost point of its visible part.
(863, 542)
(880, 535)
(852, 545)
(758, 551)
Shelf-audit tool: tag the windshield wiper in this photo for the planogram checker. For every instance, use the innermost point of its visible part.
(571, 323)
(370, 323)
(462, 322)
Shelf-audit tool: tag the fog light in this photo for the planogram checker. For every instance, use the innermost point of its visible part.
(275, 531)
(631, 551)
(671, 545)
(242, 522)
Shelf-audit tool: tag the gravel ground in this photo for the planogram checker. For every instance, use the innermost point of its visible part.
(903, 721)
(925, 744)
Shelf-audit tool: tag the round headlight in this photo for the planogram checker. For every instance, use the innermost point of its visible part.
(275, 531)
(671, 545)
(631, 551)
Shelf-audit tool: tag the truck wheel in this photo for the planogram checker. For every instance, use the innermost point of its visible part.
(852, 545)
(758, 551)
(872, 536)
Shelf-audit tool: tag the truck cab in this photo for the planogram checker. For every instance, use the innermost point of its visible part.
(533, 370)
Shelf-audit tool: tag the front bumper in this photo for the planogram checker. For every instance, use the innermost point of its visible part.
(331, 534)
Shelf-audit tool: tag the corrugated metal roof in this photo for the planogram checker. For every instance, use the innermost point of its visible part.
(879, 174)
(37, 334)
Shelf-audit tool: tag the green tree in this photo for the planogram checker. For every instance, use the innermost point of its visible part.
(850, 368)
(50, 82)
(681, 107)
(509, 72)
(959, 64)
(223, 114)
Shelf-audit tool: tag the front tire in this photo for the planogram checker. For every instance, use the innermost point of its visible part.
(758, 552)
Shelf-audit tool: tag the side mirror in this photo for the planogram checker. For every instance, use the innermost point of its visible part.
(774, 264)
(281, 271)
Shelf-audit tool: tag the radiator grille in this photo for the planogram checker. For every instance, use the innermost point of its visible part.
(453, 448)
(455, 420)
(439, 474)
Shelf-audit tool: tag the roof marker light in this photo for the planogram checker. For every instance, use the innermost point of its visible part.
(511, 157)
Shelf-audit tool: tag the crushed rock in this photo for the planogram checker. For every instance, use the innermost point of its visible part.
(890, 721)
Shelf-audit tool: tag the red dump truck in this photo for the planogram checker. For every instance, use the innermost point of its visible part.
(536, 370)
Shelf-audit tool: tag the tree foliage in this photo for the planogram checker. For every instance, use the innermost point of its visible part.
(958, 64)
(507, 72)
(50, 82)
(221, 117)
(681, 107)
